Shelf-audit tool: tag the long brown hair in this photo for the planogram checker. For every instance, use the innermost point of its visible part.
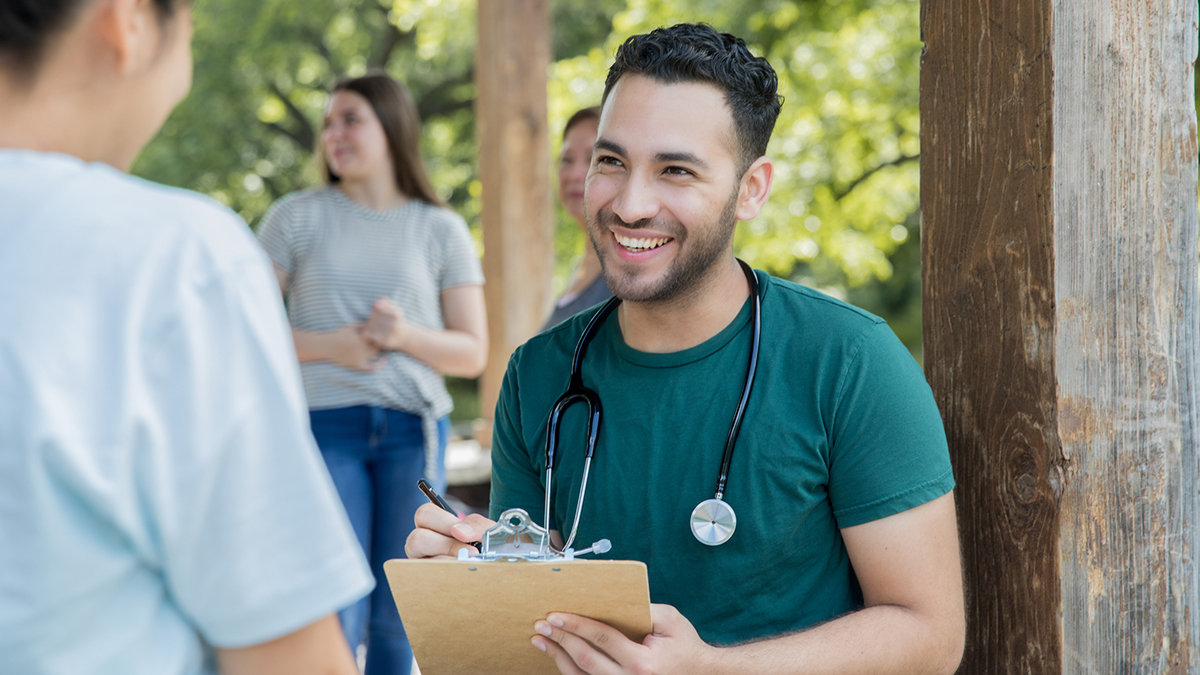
(397, 113)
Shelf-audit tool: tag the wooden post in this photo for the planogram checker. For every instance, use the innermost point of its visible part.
(1059, 249)
(511, 71)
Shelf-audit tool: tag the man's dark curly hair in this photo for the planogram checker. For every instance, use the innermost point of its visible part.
(696, 52)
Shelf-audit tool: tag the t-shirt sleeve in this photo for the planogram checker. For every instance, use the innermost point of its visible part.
(888, 451)
(461, 266)
(251, 537)
(516, 482)
(275, 235)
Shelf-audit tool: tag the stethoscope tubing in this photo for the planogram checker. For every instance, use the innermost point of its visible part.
(740, 414)
(576, 392)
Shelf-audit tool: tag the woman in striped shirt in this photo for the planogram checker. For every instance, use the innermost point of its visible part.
(385, 295)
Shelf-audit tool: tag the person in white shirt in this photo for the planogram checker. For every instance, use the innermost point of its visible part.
(163, 506)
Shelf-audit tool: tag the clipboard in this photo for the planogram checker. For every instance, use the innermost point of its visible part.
(477, 617)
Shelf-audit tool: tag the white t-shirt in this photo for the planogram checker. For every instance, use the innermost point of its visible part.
(159, 486)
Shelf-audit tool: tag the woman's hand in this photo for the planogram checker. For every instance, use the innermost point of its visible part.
(349, 347)
(459, 349)
(386, 328)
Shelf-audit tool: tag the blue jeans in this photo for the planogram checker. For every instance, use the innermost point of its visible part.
(375, 456)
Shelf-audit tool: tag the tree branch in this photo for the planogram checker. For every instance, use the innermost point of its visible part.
(280, 129)
(272, 187)
(433, 102)
(442, 108)
(303, 135)
(389, 39)
(319, 44)
(870, 172)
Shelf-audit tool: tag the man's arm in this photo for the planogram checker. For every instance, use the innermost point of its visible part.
(317, 649)
(913, 620)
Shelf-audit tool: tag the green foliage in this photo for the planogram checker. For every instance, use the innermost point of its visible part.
(246, 133)
(842, 215)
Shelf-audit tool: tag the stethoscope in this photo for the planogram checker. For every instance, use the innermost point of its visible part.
(713, 520)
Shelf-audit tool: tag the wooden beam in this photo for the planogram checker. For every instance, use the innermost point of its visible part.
(1058, 192)
(1125, 234)
(512, 69)
(987, 273)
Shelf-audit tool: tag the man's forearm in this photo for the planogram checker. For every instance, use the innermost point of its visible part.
(880, 639)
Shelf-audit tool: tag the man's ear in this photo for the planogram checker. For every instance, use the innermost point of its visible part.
(755, 188)
(129, 30)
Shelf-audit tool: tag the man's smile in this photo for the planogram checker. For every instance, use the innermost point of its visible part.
(640, 244)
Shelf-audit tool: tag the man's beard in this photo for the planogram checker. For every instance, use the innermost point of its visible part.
(699, 253)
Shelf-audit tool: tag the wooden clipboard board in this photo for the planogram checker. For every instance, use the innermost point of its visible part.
(477, 617)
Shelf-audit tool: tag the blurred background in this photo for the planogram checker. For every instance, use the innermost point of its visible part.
(843, 214)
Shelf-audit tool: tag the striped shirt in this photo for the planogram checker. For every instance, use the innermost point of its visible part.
(341, 258)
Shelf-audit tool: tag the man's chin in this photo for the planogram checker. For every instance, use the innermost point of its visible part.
(635, 287)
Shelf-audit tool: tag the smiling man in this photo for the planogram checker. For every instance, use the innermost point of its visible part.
(843, 555)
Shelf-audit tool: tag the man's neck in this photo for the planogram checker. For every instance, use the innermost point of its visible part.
(685, 322)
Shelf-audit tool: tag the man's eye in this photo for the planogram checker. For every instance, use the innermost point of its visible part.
(678, 171)
(610, 161)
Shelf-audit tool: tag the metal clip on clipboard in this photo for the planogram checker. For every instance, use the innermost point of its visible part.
(516, 537)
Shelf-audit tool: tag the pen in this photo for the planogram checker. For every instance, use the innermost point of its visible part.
(435, 498)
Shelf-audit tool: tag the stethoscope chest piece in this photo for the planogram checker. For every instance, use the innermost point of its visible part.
(713, 522)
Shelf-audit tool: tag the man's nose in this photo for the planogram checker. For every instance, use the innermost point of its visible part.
(636, 200)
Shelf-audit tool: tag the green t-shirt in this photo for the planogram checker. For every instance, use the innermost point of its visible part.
(841, 429)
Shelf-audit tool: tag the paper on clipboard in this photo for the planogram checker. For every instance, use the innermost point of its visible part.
(477, 617)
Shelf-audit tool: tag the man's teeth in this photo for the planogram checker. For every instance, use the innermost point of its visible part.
(640, 244)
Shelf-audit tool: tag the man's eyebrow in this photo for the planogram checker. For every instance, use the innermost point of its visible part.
(682, 157)
(605, 144)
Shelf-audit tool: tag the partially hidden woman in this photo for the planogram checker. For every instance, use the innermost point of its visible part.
(587, 286)
(163, 508)
(385, 295)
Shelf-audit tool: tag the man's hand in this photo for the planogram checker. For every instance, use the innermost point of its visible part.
(386, 328)
(579, 645)
(347, 347)
(440, 534)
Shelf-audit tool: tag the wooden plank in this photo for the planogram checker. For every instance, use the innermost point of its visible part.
(988, 274)
(1059, 205)
(1125, 235)
(511, 72)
